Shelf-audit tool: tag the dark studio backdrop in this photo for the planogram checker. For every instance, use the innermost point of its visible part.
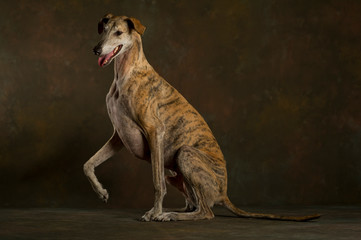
(279, 83)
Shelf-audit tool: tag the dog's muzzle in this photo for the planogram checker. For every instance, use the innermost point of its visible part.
(104, 60)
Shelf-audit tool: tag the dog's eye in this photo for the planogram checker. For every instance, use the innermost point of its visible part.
(118, 33)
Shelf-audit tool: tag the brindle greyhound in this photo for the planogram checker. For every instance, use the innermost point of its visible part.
(157, 124)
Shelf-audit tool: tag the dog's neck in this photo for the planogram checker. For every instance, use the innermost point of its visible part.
(132, 58)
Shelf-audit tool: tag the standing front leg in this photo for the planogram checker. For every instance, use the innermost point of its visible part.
(113, 145)
(155, 137)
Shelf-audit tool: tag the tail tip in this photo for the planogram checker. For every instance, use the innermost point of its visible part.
(311, 217)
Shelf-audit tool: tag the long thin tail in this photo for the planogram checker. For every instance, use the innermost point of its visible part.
(240, 213)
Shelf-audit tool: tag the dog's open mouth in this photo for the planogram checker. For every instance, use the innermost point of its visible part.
(106, 59)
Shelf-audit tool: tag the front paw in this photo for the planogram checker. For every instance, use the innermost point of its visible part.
(150, 215)
(103, 195)
(147, 217)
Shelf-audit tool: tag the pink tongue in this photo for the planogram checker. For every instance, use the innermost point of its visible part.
(102, 59)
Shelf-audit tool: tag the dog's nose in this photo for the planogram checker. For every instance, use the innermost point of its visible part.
(97, 50)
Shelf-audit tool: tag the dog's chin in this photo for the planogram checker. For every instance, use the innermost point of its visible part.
(108, 58)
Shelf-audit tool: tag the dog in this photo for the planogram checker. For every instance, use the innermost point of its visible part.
(156, 123)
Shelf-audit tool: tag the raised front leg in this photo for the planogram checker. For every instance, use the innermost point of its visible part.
(156, 135)
(113, 145)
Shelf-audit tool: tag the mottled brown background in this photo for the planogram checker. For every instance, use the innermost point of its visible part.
(279, 83)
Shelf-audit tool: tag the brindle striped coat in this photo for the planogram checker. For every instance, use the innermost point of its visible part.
(156, 123)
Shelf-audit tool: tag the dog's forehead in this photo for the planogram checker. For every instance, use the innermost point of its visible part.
(119, 23)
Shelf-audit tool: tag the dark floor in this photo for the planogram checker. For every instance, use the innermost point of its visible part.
(336, 223)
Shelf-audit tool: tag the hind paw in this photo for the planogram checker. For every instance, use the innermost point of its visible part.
(165, 217)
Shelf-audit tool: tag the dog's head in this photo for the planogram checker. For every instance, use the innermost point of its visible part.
(117, 36)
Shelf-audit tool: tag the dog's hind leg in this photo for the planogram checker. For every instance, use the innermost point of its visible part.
(200, 183)
(113, 145)
(177, 181)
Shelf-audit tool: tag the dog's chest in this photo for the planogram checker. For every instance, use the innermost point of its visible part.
(121, 115)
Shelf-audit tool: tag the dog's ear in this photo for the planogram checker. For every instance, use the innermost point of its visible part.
(135, 24)
(103, 20)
